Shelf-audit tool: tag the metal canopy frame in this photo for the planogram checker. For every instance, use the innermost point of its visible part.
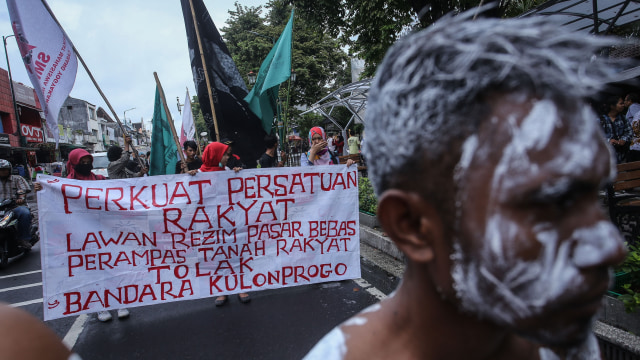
(352, 96)
(589, 15)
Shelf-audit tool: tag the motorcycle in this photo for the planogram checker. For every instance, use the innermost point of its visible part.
(9, 246)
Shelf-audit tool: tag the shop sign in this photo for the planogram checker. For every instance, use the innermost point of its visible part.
(4, 140)
(31, 133)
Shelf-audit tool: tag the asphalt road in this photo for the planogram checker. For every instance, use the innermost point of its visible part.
(276, 324)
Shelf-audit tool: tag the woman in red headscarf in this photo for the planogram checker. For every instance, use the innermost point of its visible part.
(214, 158)
(80, 165)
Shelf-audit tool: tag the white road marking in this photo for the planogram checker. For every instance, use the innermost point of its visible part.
(377, 293)
(370, 289)
(75, 331)
(20, 287)
(25, 303)
(20, 274)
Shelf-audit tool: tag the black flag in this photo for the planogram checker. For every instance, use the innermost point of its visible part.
(235, 120)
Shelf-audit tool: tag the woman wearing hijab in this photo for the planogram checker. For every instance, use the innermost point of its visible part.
(318, 153)
(80, 165)
(214, 158)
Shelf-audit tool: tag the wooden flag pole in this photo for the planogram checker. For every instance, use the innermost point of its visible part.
(95, 83)
(195, 131)
(166, 110)
(206, 72)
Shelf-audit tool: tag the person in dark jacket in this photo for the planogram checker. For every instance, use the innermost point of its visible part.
(193, 162)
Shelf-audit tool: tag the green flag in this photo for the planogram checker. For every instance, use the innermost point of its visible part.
(164, 153)
(275, 69)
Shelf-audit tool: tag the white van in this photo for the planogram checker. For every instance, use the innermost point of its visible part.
(100, 163)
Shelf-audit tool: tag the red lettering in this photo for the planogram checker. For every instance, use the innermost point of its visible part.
(311, 175)
(206, 220)
(231, 190)
(135, 197)
(87, 197)
(200, 183)
(65, 197)
(264, 187)
(115, 201)
(172, 221)
(184, 193)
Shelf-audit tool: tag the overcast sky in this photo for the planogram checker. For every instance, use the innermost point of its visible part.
(123, 42)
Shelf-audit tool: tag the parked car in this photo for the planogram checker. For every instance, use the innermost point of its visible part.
(100, 163)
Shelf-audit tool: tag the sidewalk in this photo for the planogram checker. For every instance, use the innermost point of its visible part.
(615, 343)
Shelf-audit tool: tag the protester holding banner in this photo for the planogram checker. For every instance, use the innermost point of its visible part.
(215, 158)
(119, 160)
(319, 153)
(234, 160)
(80, 165)
(193, 162)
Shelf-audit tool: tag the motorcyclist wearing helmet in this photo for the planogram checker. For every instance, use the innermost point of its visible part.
(15, 187)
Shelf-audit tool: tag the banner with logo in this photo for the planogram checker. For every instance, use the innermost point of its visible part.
(47, 54)
(124, 243)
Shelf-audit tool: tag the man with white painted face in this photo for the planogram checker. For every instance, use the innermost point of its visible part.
(494, 201)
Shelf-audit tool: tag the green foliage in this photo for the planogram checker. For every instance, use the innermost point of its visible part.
(320, 64)
(369, 27)
(366, 196)
(631, 286)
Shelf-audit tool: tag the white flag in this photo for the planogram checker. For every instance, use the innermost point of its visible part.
(47, 54)
(188, 130)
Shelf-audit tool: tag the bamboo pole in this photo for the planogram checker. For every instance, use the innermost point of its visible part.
(166, 110)
(95, 83)
(206, 72)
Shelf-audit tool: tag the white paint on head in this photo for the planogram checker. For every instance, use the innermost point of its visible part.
(375, 307)
(469, 148)
(356, 321)
(590, 246)
(499, 284)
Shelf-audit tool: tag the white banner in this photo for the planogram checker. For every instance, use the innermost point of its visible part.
(125, 243)
(188, 129)
(47, 54)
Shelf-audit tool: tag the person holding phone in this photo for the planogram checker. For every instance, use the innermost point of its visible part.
(319, 153)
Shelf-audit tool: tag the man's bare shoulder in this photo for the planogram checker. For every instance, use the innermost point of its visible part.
(363, 336)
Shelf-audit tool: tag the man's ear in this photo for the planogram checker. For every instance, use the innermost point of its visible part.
(411, 222)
